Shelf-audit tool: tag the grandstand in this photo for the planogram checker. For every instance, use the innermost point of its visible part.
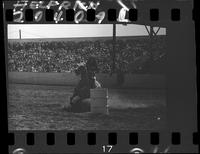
(63, 54)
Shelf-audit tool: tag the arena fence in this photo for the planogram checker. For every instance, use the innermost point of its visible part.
(70, 79)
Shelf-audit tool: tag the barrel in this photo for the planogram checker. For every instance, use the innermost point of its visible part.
(99, 99)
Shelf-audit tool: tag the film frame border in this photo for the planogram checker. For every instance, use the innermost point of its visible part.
(194, 134)
(78, 141)
(154, 137)
(151, 11)
(90, 15)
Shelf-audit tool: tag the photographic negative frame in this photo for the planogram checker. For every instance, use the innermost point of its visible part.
(180, 74)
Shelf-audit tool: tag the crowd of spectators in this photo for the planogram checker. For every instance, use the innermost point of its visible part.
(131, 55)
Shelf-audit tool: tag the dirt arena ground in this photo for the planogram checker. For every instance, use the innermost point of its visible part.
(40, 107)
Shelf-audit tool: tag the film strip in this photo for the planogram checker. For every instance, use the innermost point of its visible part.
(95, 141)
(90, 15)
(28, 14)
(174, 124)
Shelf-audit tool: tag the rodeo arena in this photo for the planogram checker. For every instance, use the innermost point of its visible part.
(87, 83)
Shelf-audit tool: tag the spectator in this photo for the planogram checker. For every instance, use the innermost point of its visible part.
(64, 56)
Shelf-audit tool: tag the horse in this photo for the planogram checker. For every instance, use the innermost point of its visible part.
(80, 100)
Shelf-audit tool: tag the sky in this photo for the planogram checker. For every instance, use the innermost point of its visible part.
(75, 30)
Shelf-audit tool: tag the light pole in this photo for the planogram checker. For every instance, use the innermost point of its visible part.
(20, 34)
(114, 48)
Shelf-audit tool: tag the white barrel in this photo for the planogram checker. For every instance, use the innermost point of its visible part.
(99, 99)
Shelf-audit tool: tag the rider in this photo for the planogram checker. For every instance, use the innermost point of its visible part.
(82, 90)
(80, 99)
